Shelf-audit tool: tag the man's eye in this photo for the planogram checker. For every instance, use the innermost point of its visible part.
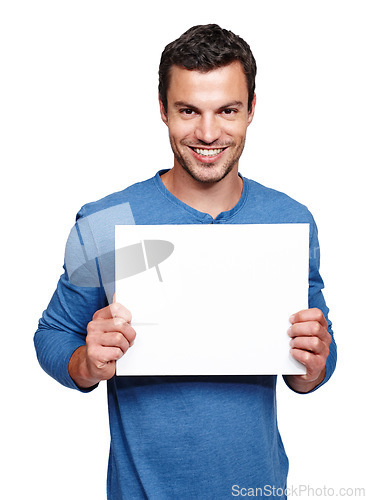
(187, 111)
(229, 111)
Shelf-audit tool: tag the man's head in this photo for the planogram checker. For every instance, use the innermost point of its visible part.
(207, 100)
(204, 48)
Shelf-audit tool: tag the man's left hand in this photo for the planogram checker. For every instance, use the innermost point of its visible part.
(309, 344)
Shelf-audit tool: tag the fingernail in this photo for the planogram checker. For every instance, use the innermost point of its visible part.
(292, 319)
(289, 331)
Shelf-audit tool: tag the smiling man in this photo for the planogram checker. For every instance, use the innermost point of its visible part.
(188, 437)
(207, 131)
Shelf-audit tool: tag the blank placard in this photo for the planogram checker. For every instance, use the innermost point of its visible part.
(211, 299)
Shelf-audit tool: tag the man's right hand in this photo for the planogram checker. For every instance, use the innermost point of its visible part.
(109, 336)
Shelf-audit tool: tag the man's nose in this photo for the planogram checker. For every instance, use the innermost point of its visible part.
(208, 129)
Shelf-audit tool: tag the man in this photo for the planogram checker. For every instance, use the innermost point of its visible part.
(188, 437)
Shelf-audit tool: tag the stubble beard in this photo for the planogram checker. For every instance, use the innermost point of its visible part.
(206, 172)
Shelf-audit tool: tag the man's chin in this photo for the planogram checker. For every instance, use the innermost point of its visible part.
(208, 173)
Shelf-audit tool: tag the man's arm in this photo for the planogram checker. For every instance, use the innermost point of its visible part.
(109, 336)
(309, 344)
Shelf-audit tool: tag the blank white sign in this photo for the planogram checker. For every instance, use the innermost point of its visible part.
(211, 299)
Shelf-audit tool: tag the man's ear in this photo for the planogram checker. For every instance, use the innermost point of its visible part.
(251, 114)
(163, 114)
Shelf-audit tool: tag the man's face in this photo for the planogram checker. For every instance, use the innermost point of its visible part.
(207, 118)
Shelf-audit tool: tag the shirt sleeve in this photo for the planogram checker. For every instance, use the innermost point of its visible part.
(316, 299)
(63, 326)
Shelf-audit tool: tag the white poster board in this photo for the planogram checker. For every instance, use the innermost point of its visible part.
(211, 299)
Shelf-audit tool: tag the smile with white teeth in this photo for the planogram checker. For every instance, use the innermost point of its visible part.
(208, 152)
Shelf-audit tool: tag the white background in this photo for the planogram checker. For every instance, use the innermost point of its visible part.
(79, 119)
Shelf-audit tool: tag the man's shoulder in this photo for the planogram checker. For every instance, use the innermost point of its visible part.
(274, 202)
(137, 191)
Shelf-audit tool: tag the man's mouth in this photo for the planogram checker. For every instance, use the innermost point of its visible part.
(208, 152)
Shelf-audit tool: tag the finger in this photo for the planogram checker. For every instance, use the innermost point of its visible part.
(124, 329)
(108, 356)
(98, 331)
(103, 313)
(101, 355)
(308, 329)
(310, 344)
(129, 333)
(120, 311)
(115, 339)
(114, 310)
(314, 363)
(309, 315)
(112, 325)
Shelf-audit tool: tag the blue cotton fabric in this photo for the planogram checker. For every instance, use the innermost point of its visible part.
(174, 437)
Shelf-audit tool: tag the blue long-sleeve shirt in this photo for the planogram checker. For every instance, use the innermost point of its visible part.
(174, 437)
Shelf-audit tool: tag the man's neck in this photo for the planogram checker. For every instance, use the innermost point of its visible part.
(210, 198)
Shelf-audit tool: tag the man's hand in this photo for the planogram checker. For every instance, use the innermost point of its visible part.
(109, 336)
(309, 344)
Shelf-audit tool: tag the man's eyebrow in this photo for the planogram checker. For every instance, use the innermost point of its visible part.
(179, 104)
(237, 104)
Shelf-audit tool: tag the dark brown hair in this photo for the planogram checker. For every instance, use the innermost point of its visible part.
(204, 48)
